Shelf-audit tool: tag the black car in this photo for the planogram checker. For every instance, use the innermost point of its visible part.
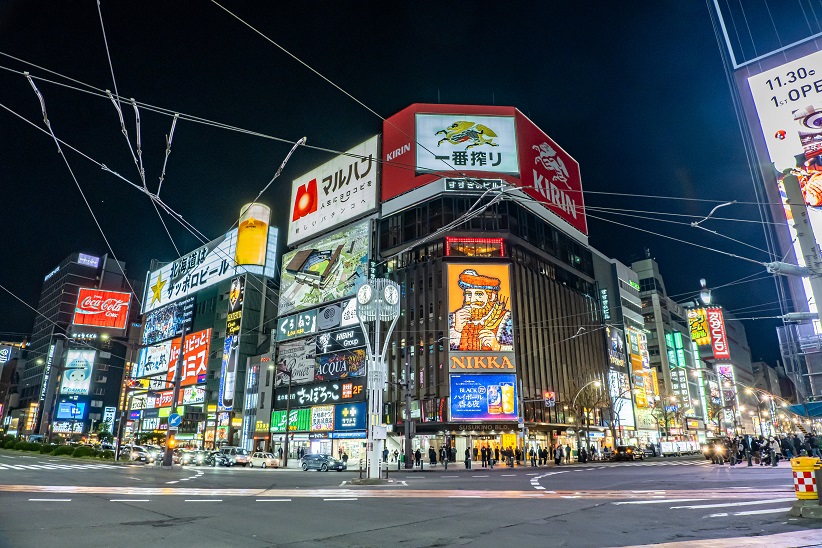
(628, 452)
(321, 462)
(714, 448)
(214, 458)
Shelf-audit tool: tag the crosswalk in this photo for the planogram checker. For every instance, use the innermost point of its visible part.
(717, 508)
(54, 466)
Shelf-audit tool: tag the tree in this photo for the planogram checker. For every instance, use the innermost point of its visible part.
(582, 399)
(104, 433)
(666, 410)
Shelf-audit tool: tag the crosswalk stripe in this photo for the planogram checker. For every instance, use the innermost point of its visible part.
(657, 501)
(749, 513)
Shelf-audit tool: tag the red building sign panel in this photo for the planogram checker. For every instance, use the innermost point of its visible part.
(99, 308)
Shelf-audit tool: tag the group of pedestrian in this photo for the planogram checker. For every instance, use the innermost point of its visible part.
(764, 451)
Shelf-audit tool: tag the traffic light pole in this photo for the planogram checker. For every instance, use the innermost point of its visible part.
(409, 459)
(167, 461)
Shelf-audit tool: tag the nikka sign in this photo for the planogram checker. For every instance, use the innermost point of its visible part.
(100, 308)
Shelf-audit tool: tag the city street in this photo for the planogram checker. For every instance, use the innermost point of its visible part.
(601, 504)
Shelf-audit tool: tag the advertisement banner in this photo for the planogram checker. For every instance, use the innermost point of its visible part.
(489, 362)
(298, 357)
(297, 325)
(698, 322)
(153, 360)
(195, 358)
(193, 395)
(351, 416)
(109, 414)
(335, 193)
(719, 337)
(167, 322)
(342, 339)
(550, 175)
(210, 264)
(620, 390)
(299, 420)
(479, 318)
(99, 308)
(484, 397)
(640, 375)
(616, 347)
(341, 365)
(77, 372)
(231, 347)
(322, 418)
(252, 234)
(322, 393)
(473, 142)
(67, 427)
(71, 410)
(325, 270)
(337, 315)
(482, 142)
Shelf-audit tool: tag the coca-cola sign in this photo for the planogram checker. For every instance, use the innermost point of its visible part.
(719, 337)
(100, 308)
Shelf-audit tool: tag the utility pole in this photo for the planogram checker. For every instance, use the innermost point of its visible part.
(409, 424)
(175, 394)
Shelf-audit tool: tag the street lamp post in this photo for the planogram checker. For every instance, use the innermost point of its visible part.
(596, 383)
(378, 300)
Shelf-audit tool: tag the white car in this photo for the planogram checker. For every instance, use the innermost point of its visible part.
(264, 460)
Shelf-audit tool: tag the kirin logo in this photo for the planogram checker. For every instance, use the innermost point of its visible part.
(553, 163)
(463, 131)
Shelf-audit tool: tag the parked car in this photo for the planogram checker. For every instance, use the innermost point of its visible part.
(628, 452)
(235, 455)
(264, 460)
(321, 462)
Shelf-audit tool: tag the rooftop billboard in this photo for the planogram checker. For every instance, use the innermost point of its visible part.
(98, 308)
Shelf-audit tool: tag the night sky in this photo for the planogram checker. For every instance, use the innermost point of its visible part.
(636, 94)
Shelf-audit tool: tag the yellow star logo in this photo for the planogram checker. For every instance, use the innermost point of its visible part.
(157, 289)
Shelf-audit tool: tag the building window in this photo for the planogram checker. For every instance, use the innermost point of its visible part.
(99, 391)
(96, 403)
(262, 400)
(102, 367)
(101, 378)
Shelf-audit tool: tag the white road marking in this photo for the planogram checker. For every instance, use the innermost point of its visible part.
(175, 481)
(481, 476)
(570, 496)
(203, 500)
(659, 501)
(448, 476)
(729, 504)
(748, 513)
(503, 475)
(273, 500)
(532, 474)
(129, 500)
(49, 500)
(464, 497)
(335, 500)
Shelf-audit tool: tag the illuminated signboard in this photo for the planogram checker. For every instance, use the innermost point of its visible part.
(231, 345)
(153, 360)
(616, 346)
(474, 247)
(465, 362)
(299, 420)
(351, 416)
(297, 325)
(322, 418)
(342, 339)
(47, 372)
(719, 337)
(642, 377)
(325, 270)
(698, 322)
(99, 308)
(480, 141)
(340, 391)
(210, 264)
(334, 193)
(480, 318)
(298, 358)
(71, 410)
(195, 358)
(77, 372)
(67, 427)
(341, 365)
(193, 395)
(108, 416)
(483, 397)
(337, 315)
(88, 260)
(167, 322)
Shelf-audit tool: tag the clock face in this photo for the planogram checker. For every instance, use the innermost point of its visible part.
(391, 295)
(364, 294)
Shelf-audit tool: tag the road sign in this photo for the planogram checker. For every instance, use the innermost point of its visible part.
(174, 420)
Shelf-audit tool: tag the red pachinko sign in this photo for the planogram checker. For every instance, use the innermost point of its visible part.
(195, 357)
(102, 308)
(719, 337)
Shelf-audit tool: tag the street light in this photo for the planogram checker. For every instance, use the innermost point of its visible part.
(596, 383)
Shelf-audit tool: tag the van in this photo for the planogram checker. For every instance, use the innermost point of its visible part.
(235, 455)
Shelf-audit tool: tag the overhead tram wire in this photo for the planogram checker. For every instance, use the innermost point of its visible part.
(77, 183)
(602, 209)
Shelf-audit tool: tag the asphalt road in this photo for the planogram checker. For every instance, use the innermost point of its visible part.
(46, 499)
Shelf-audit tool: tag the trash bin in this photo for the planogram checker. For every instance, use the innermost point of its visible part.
(804, 480)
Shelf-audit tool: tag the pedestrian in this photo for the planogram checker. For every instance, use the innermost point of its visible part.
(787, 448)
(533, 455)
(396, 455)
(797, 445)
(476, 453)
(517, 455)
(484, 456)
(432, 456)
(496, 453)
(490, 458)
(814, 443)
(776, 448)
(558, 455)
(756, 449)
(280, 452)
(345, 459)
(583, 455)
(467, 459)
(568, 454)
(418, 458)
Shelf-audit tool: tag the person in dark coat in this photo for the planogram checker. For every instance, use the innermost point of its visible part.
(432, 456)
(418, 457)
(496, 454)
(484, 456)
(797, 446)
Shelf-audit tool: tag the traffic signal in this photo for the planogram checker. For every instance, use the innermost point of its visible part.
(136, 384)
(172, 441)
(550, 399)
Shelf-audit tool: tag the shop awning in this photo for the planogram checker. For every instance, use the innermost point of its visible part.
(811, 410)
